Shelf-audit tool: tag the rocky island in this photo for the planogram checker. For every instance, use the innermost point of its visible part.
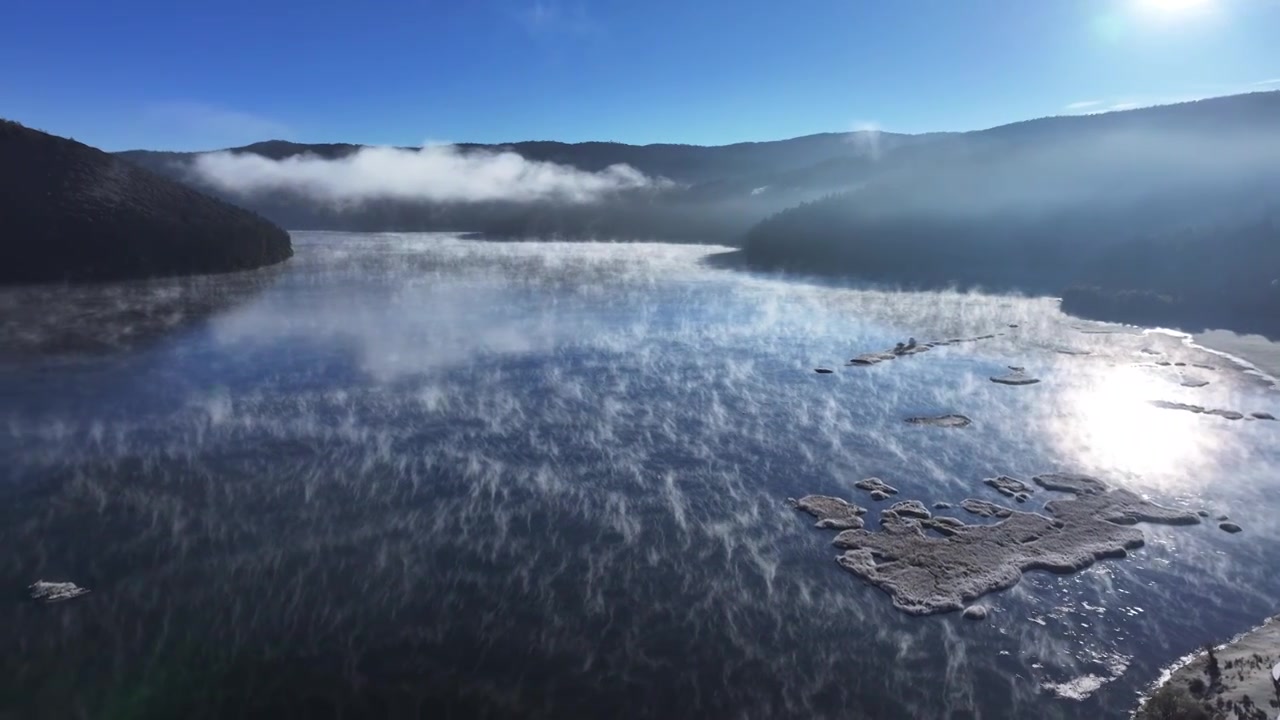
(926, 574)
(74, 213)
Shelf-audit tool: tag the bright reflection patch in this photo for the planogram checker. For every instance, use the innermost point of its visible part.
(1115, 425)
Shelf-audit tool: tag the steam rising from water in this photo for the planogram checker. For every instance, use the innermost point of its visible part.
(548, 480)
(439, 173)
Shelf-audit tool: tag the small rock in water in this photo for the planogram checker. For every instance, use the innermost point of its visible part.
(1223, 518)
(983, 508)
(1202, 513)
(975, 612)
(1022, 497)
(910, 508)
(1229, 527)
(1167, 405)
(942, 505)
(52, 592)
(1009, 487)
(1197, 409)
(1017, 376)
(823, 371)
(879, 495)
(832, 512)
(948, 421)
(1262, 416)
(872, 484)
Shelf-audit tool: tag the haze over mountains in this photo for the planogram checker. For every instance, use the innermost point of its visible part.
(1164, 215)
(1160, 215)
(533, 189)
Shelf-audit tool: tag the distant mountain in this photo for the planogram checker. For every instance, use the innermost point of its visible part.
(1167, 215)
(714, 195)
(74, 213)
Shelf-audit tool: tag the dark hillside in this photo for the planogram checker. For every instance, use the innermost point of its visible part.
(70, 212)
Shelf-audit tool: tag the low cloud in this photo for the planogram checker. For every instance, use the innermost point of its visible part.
(439, 173)
(1084, 105)
(1272, 81)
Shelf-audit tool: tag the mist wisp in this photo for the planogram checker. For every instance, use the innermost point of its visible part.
(436, 173)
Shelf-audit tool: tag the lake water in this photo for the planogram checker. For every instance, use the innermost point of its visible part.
(417, 475)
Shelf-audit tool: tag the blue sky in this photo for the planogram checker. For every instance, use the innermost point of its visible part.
(173, 74)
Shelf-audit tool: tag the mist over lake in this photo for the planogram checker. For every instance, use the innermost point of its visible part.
(414, 474)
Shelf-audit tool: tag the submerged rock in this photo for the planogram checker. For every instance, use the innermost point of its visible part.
(832, 512)
(879, 495)
(928, 574)
(949, 421)
(909, 508)
(1262, 416)
(942, 505)
(1016, 376)
(872, 484)
(1229, 527)
(975, 612)
(52, 592)
(1009, 487)
(823, 371)
(1192, 382)
(1203, 513)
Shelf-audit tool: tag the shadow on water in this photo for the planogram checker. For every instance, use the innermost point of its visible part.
(56, 320)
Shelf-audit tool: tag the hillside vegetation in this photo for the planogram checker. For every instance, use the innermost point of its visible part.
(71, 212)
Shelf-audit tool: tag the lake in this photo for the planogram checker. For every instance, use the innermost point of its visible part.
(421, 475)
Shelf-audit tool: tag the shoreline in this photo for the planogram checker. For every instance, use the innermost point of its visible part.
(1256, 354)
(1244, 679)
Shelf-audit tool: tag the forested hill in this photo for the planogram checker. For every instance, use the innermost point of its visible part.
(706, 194)
(1163, 215)
(75, 213)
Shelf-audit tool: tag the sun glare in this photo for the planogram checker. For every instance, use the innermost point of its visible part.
(1173, 7)
(1113, 423)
